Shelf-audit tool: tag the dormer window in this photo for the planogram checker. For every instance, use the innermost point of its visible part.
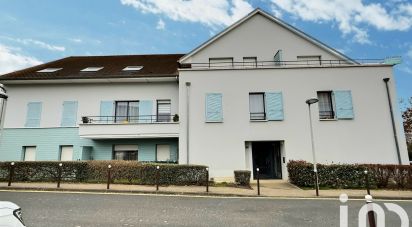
(132, 68)
(49, 70)
(91, 69)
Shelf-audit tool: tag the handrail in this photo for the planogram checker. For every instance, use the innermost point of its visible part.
(122, 119)
(297, 63)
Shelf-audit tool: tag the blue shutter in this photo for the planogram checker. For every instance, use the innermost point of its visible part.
(33, 114)
(344, 107)
(145, 111)
(274, 106)
(69, 116)
(214, 112)
(106, 112)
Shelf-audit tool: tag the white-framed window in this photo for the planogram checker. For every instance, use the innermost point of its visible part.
(127, 111)
(66, 153)
(310, 60)
(29, 153)
(162, 152)
(49, 70)
(125, 152)
(132, 68)
(257, 106)
(326, 107)
(91, 69)
(163, 113)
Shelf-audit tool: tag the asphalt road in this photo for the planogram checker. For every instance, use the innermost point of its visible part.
(73, 209)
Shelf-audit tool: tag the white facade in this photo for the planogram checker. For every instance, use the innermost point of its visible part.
(226, 146)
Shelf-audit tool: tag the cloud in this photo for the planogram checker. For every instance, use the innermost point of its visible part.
(76, 40)
(160, 25)
(214, 13)
(11, 61)
(352, 16)
(41, 44)
(37, 43)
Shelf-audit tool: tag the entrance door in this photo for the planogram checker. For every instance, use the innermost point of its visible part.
(266, 157)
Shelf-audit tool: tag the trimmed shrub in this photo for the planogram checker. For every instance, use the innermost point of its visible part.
(130, 172)
(242, 177)
(350, 175)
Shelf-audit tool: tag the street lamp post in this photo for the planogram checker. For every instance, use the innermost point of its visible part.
(315, 169)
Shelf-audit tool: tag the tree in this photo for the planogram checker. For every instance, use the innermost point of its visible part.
(407, 124)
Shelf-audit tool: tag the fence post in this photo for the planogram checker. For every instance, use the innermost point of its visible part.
(59, 174)
(371, 214)
(367, 182)
(108, 176)
(11, 173)
(258, 183)
(157, 178)
(207, 179)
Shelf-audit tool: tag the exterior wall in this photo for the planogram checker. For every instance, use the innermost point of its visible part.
(367, 138)
(49, 140)
(262, 38)
(87, 95)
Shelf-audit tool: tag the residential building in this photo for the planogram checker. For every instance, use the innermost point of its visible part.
(240, 99)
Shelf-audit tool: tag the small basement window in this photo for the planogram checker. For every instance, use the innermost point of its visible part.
(49, 70)
(132, 68)
(91, 69)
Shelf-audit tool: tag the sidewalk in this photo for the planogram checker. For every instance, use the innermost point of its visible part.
(279, 189)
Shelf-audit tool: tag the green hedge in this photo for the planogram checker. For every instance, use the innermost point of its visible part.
(96, 172)
(351, 175)
(242, 177)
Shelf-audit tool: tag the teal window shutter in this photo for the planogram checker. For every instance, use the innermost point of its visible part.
(214, 110)
(274, 106)
(145, 111)
(344, 107)
(33, 114)
(69, 116)
(106, 112)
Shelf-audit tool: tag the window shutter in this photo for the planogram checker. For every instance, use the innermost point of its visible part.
(145, 111)
(33, 114)
(274, 106)
(214, 112)
(69, 116)
(106, 112)
(344, 107)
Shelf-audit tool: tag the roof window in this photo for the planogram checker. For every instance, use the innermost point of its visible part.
(132, 68)
(49, 70)
(91, 69)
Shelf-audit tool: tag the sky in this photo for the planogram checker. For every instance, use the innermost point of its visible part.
(37, 31)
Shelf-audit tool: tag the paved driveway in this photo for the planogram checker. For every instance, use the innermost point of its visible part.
(84, 209)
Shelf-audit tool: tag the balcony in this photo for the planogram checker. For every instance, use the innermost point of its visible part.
(289, 64)
(129, 127)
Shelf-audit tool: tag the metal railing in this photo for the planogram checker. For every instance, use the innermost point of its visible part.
(161, 118)
(300, 63)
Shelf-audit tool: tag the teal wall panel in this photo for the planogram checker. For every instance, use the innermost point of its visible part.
(49, 140)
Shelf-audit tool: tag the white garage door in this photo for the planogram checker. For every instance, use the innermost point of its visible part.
(66, 153)
(30, 154)
(163, 153)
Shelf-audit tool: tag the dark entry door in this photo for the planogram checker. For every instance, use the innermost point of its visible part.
(266, 157)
